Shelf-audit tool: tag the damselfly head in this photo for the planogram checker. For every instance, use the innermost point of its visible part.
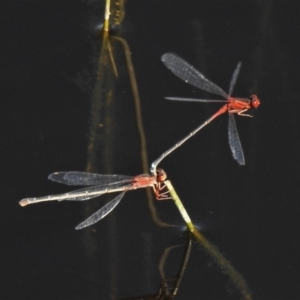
(161, 175)
(255, 102)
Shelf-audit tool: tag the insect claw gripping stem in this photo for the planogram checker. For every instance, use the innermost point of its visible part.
(161, 176)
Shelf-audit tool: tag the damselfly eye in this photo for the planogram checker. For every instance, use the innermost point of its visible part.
(161, 175)
(254, 101)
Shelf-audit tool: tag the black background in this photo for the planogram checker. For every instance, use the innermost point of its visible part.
(48, 58)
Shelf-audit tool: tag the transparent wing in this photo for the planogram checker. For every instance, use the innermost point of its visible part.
(193, 99)
(234, 141)
(83, 178)
(234, 78)
(101, 213)
(189, 74)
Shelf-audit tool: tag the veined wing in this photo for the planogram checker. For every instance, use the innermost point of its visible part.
(234, 78)
(234, 141)
(84, 178)
(101, 213)
(189, 74)
(193, 99)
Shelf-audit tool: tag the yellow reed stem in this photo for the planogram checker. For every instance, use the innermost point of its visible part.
(106, 16)
(180, 206)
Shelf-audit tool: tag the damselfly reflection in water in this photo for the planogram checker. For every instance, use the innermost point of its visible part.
(100, 185)
(232, 105)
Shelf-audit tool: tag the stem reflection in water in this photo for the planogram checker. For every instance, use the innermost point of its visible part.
(165, 292)
(100, 152)
(103, 102)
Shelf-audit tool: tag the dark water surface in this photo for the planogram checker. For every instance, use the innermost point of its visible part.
(49, 57)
